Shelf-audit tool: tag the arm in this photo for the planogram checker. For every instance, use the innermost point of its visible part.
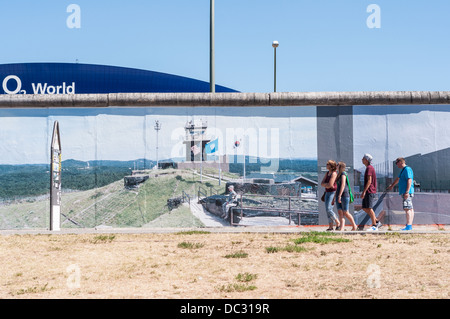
(323, 184)
(366, 187)
(341, 190)
(331, 181)
(408, 187)
(395, 182)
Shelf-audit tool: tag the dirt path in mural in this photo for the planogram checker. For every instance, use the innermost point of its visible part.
(225, 265)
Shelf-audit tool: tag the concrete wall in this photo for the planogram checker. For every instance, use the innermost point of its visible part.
(335, 118)
(334, 142)
(227, 99)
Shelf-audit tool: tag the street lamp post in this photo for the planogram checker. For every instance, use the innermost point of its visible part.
(275, 46)
(212, 85)
(157, 129)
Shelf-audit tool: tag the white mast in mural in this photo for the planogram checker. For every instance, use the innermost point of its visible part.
(55, 179)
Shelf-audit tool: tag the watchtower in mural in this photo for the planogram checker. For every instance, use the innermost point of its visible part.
(195, 140)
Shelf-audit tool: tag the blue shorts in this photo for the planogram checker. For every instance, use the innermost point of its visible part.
(344, 204)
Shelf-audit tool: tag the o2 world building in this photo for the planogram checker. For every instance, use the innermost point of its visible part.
(77, 78)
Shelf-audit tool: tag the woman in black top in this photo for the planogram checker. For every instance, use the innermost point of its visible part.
(343, 197)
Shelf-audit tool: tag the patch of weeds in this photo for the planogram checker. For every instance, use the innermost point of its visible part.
(294, 249)
(320, 238)
(287, 248)
(193, 232)
(271, 249)
(243, 285)
(188, 245)
(236, 287)
(239, 254)
(103, 239)
(32, 290)
(246, 277)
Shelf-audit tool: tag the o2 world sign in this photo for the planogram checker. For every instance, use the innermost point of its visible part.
(12, 84)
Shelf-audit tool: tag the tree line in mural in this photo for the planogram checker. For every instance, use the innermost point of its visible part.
(253, 164)
(33, 180)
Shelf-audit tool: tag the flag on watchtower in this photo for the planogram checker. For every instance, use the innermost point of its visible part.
(212, 146)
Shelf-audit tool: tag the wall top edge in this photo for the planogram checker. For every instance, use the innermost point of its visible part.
(226, 99)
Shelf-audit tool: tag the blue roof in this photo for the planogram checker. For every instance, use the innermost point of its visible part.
(44, 78)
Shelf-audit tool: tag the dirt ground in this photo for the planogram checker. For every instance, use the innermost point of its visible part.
(225, 265)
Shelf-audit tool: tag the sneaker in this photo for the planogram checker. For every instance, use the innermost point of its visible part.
(407, 227)
(379, 224)
(372, 228)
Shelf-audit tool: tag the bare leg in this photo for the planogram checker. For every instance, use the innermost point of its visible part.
(341, 219)
(409, 216)
(351, 220)
(371, 214)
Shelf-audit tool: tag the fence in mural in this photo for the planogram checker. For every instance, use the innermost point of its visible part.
(117, 170)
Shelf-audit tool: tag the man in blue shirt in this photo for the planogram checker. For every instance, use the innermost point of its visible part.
(405, 189)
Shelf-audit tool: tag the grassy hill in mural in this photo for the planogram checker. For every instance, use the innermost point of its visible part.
(114, 205)
(94, 195)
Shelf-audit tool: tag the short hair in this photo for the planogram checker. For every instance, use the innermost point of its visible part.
(332, 164)
(400, 159)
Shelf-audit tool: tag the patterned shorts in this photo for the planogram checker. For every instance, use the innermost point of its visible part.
(407, 203)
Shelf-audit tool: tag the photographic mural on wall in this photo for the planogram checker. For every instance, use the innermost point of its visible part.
(173, 167)
(161, 167)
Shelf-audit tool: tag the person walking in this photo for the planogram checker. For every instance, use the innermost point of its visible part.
(329, 182)
(370, 192)
(343, 197)
(405, 189)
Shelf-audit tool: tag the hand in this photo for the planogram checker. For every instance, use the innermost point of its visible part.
(362, 194)
(339, 199)
(389, 187)
(405, 195)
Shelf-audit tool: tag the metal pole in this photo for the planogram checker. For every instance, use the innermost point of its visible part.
(212, 85)
(157, 128)
(275, 69)
(275, 45)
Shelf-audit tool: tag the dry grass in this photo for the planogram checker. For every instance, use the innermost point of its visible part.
(224, 265)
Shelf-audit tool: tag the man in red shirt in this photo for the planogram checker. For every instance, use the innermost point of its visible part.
(370, 191)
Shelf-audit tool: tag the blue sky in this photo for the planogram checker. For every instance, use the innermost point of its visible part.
(325, 45)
